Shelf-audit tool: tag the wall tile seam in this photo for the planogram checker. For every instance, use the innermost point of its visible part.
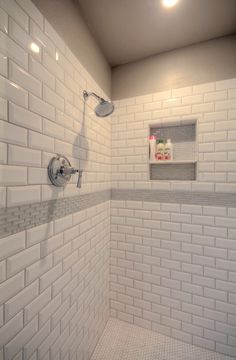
(163, 321)
(194, 284)
(214, 88)
(43, 133)
(113, 307)
(170, 185)
(29, 107)
(162, 306)
(179, 197)
(133, 265)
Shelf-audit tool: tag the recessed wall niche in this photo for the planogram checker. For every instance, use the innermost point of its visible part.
(183, 137)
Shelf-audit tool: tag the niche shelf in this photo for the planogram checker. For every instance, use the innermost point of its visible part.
(183, 137)
(168, 162)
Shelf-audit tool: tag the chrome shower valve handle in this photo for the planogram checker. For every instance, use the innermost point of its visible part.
(60, 171)
(80, 173)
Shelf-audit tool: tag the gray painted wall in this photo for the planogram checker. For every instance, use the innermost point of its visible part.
(65, 17)
(204, 62)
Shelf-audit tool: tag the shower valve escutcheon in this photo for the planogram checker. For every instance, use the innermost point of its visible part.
(60, 171)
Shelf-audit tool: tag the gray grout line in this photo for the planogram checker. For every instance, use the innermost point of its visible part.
(19, 218)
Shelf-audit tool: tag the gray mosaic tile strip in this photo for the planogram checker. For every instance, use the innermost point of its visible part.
(19, 218)
(173, 172)
(182, 197)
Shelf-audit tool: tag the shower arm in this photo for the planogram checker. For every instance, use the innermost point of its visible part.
(86, 95)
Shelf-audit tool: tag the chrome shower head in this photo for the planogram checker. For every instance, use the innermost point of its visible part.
(104, 108)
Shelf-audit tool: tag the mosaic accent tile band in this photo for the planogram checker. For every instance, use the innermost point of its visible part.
(19, 218)
(182, 197)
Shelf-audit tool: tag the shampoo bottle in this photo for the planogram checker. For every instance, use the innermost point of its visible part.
(152, 147)
(160, 150)
(168, 150)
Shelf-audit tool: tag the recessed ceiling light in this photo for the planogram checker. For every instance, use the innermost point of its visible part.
(169, 3)
(34, 47)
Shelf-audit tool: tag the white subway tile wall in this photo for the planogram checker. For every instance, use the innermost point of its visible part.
(172, 266)
(42, 109)
(54, 278)
(54, 288)
(178, 277)
(211, 105)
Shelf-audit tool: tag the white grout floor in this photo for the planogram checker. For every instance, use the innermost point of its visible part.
(123, 341)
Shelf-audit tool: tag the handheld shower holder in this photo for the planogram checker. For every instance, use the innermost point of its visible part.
(60, 171)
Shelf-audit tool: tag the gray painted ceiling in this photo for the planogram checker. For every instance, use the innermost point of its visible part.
(130, 30)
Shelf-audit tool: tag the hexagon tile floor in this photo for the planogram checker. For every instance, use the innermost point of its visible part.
(123, 341)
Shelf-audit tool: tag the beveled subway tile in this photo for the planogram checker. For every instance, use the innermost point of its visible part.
(13, 175)
(13, 92)
(24, 79)
(3, 109)
(13, 134)
(9, 48)
(41, 73)
(41, 107)
(3, 21)
(23, 195)
(16, 12)
(3, 65)
(24, 39)
(42, 39)
(32, 11)
(52, 34)
(3, 153)
(24, 156)
(21, 116)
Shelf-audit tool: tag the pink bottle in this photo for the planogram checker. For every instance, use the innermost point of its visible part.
(152, 147)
